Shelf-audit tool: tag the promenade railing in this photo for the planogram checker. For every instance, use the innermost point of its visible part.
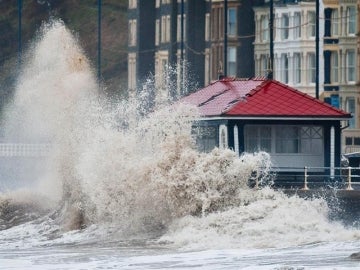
(311, 177)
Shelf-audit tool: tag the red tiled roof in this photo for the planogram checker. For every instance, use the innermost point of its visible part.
(258, 98)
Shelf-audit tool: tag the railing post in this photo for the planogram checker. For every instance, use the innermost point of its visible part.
(305, 179)
(349, 187)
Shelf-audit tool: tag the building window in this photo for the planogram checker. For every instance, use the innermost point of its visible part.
(231, 65)
(165, 28)
(284, 68)
(351, 65)
(311, 68)
(157, 3)
(217, 23)
(132, 34)
(348, 140)
(178, 30)
(157, 32)
(335, 23)
(285, 26)
(161, 69)
(132, 70)
(232, 22)
(350, 108)
(207, 27)
(311, 24)
(207, 66)
(351, 20)
(132, 4)
(334, 69)
(297, 68)
(356, 140)
(264, 28)
(264, 67)
(297, 25)
(168, 28)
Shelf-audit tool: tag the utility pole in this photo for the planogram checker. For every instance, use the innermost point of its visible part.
(99, 42)
(182, 50)
(317, 37)
(271, 36)
(225, 36)
(19, 32)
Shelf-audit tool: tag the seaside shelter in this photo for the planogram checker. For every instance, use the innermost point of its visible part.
(258, 114)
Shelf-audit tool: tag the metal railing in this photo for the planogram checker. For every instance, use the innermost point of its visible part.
(24, 150)
(307, 177)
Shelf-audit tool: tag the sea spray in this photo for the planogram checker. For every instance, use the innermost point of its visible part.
(136, 172)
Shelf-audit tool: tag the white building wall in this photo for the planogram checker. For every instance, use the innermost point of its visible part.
(290, 45)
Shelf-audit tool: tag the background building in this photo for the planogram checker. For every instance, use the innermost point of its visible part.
(206, 39)
(184, 41)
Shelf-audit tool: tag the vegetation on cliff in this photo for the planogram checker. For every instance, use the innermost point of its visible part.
(79, 16)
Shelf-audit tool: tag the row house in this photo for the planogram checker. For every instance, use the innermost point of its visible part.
(342, 69)
(179, 41)
(166, 44)
(294, 44)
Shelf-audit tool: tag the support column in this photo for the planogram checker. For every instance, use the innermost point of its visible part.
(332, 151)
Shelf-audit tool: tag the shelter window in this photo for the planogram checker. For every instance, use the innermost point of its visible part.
(257, 138)
(282, 139)
(287, 139)
(206, 138)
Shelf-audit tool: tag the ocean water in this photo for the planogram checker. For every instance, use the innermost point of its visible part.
(123, 186)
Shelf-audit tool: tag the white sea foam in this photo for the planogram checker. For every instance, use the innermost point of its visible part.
(115, 166)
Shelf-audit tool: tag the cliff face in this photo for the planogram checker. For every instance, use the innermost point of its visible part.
(79, 16)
